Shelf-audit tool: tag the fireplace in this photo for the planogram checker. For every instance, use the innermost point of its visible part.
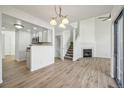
(87, 52)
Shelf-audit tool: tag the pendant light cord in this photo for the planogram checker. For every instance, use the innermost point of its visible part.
(60, 11)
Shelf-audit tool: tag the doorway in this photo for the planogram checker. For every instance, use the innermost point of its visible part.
(58, 47)
(119, 49)
(8, 44)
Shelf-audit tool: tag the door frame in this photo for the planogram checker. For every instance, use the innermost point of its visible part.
(116, 46)
(61, 46)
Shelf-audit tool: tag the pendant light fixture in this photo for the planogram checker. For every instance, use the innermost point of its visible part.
(53, 22)
(60, 19)
(62, 25)
(65, 20)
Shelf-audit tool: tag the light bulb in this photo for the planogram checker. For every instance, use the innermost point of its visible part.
(18, 26)
(53, 22)
(62, 26)
(65, 20)
(109, 19)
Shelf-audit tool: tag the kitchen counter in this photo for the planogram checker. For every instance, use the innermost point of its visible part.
(43, 44)
(39, 56)
(39, 44)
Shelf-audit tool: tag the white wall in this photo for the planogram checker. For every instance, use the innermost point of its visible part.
(103, 38)
(58, 46)
(41, 56)
(86, 38)
(44, 36)
(76, 46)
(23, 39)
(40, 36)
(9, 10)
(87, 31)
(0, 49)
(9, 42)
(49, 36)
(3, 46)
(58, 32)
(94, 34)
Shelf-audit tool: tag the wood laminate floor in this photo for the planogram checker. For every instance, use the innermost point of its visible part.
(86, 73)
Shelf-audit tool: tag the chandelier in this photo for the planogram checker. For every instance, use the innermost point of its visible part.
(60, 19)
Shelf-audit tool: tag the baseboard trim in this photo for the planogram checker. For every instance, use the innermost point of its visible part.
(101, 57)
(19, 60)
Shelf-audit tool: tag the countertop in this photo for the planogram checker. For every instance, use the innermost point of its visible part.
(43, 44)
(39, 44)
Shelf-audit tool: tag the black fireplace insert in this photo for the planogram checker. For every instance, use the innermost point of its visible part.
(87, 52)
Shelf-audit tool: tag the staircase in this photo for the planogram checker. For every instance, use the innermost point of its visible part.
(69, 54)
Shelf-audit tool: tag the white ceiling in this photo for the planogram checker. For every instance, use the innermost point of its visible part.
(9, 21)
(74, 12)
(45, 12)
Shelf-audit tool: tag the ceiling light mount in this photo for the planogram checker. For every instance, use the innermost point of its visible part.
(18, 25)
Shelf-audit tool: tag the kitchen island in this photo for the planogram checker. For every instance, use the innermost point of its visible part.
(40, 55)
